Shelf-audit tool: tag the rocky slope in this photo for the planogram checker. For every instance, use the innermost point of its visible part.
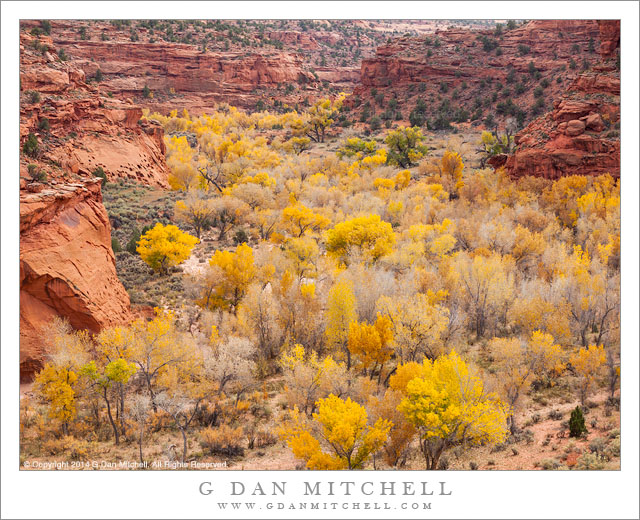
(467, 75)
(581, 134)
(67, 267)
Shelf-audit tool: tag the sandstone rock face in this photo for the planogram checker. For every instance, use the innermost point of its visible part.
(67, 267)
(204, 77)
(87, 130)
(459, 62)
(609, 37)
(575, 127)
(581, 135)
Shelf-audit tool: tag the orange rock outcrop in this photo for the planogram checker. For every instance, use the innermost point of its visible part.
(581, 135)
(67, 267)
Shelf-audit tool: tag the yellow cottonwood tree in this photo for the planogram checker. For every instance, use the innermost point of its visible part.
(57, 385)
(520, 362)
(300, 219)
(418, 325)
(588, 364)
(341, 311)
(343, 428)
(368, 235)
(448, 405)
(370, 344)
(163, 247)
(228, 278)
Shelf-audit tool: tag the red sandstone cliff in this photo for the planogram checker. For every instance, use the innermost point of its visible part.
(581, 135)
(67, 267)
(454, 66)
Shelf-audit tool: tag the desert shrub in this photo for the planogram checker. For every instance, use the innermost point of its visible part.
(36, 174)
(443, 463)
(613, 449)
(555, 415)
(62, 55)
(31, 147)
(549, 464)
(99, 172)
(44, 125)
(264, 439)
(577, 427)
(536, 418)
(74, 449)
(240, 237)
(473, 466)
(590, 461)
(33, 96)
(597, 446)
(222, 441)
(115, 245)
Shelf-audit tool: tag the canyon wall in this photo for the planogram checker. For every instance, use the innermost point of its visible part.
(67, 267)
(581, 135)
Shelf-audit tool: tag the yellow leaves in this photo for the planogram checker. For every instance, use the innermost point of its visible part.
(303, 252)
(370, 343)
(261, 178)
(57, 385)
(340, 313)
(367, 235)
(405, 146)
(230, 276)
(357, 148)
(301, 219)
(588, 363)
(343, 427)
(402, 179)
(452, 165)
(418, 325)
(163, 247)
(388, 184)
(308, 290)
(447, 401)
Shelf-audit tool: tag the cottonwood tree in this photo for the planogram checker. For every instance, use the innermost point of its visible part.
(163, 247)
(405, 147)
(486, 284)
(309, 378)
(102, 380)
(447, 402)
(519, 362)
(342, 426)
(339, 315)
(418, 325)
(226, 280)
(370, 344)
(197, 211)
(368, 235)
(58, 382)
(588, 364)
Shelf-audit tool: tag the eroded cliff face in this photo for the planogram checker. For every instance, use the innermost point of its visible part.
(467, 67)
(85, 130)
(67, 267)
(580, 136)
(186, 76)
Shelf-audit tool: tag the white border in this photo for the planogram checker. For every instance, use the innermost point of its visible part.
(174, 495)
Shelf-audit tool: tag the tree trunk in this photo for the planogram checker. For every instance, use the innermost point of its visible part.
(140, 443)
(184, 443)
(113, 424)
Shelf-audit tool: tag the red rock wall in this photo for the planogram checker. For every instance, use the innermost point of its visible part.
(581, 135)
(67, 267)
